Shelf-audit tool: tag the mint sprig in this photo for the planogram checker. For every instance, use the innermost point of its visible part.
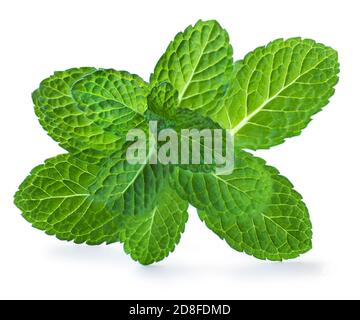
(93, 195)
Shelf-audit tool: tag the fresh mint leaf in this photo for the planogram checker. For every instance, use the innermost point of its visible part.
(56, 198)
(254, 209)
(153, 215)
(91, 131)
(101, 86)
(196, 63)
(275, 91)
(150, 237)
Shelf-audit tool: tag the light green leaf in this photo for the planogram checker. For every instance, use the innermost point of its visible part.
(81, 202)
(90, 132)
(56, 198)
(276, 90)
(154, 216)
(254, 209)
(150, 237)
(196, 63)
(127, 89)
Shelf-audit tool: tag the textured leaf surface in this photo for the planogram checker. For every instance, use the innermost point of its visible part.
(196, 63)
(151, 236)
(129, 188)
(56, 198)
(153, 215)
(254, 209)
(276, 89)
(163, 100)
(91, 131)
(196, 124)
(127, 89)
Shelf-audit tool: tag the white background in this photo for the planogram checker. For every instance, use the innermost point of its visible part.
(39, 37)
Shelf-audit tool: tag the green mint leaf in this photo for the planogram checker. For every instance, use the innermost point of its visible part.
(152, 236)
(153, 215)
(276, 90)
(127, 89)
(254, 209)
(196, 63)
(54, 104)
(92, 131)
(56, 198)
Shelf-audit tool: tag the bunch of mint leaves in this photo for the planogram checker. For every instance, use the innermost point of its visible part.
(93, 195)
